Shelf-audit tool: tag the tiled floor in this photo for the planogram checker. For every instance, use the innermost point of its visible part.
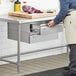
(35, 65)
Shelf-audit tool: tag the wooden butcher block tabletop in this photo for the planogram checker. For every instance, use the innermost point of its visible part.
(31, 16)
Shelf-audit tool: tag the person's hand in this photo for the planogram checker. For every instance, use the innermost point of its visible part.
(51, 23)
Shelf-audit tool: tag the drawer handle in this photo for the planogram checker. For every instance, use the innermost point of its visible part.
(44, 25)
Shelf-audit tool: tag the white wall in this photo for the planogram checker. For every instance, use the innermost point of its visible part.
(44, 4)
(7, 6)
(8, 47)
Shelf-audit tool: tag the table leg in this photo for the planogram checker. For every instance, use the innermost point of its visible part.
(18, 48)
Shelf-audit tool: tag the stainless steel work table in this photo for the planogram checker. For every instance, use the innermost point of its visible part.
(19, 22)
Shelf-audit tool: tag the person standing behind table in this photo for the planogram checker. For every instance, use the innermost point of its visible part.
(69, 18)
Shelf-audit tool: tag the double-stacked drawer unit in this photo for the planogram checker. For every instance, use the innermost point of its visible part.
(34, 32)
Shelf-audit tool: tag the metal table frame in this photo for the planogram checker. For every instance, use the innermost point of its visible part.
(18, 50)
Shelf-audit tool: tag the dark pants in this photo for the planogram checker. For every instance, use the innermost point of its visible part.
(72, 57)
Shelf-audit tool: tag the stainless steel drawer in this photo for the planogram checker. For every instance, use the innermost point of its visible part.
(40, 38)
(44, 29)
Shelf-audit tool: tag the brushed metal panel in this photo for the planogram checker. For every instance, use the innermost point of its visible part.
(12, 34)
(48, 30)
(45, 29)
(39, 38)
(24, 27)
(60, 27)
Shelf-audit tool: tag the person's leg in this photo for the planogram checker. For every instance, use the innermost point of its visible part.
(72, 58)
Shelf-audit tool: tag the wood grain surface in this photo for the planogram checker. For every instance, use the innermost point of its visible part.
(31, 16)
(35, 65)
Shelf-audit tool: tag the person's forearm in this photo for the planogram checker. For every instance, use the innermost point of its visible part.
(64, 7)
(62, 14)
